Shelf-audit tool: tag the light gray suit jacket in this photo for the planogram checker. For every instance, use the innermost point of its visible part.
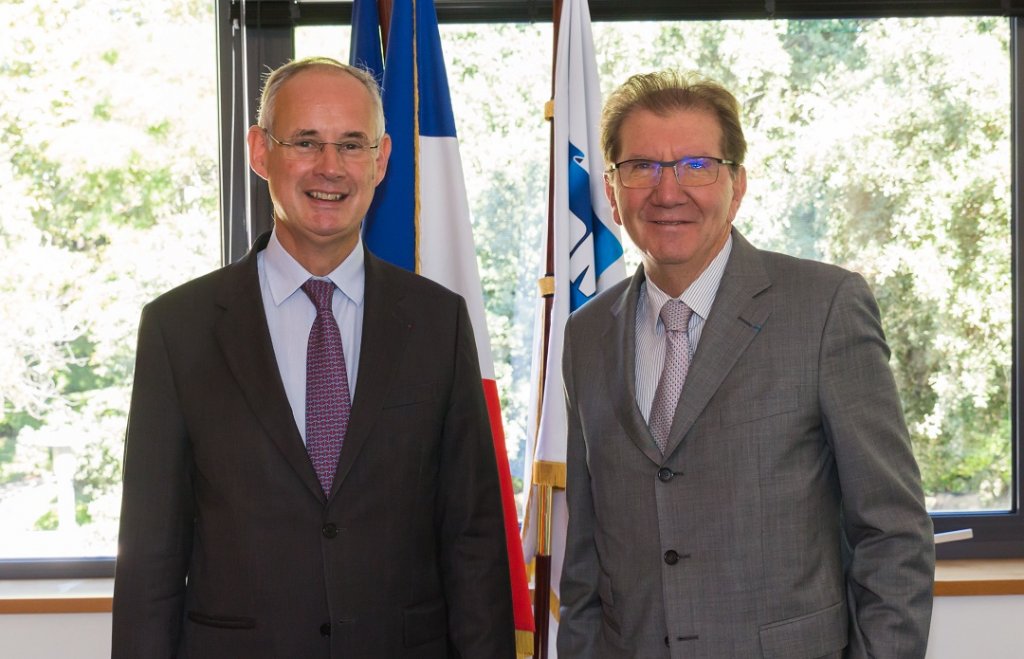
(786, 518)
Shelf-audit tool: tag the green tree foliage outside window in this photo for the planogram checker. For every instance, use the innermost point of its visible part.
(884, 146)
(880, 145)
(108, 127)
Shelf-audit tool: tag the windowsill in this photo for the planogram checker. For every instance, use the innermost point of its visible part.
(952, 578)
(56, 595)
(979, 577)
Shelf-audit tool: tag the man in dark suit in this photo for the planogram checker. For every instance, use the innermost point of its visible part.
(740, 479)
(388, 541)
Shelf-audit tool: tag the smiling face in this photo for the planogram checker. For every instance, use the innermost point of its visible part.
(678, 230)
(319, 204)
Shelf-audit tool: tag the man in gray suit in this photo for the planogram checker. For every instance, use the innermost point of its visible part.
(773, 508)
(255, 524)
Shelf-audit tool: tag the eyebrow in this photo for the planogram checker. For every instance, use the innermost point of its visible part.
(312, 132)
(687, 157)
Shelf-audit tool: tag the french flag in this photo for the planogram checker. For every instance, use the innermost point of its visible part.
(420, 218)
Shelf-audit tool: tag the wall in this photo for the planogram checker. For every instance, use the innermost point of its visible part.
(55, 636)
(986, 627)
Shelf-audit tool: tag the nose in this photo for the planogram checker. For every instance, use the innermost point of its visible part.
(668, 192)
(328, 161)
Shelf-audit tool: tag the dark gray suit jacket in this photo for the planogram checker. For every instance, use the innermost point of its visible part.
(228, 546)
(786, 518)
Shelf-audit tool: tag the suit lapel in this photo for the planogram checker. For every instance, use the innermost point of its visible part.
(385, 326)
(245, 341)
(621, 368)
(737, 315)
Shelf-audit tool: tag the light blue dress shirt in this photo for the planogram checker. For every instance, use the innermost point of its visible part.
(290, 315)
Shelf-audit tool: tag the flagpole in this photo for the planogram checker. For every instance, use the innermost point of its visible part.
(384, 14)
(545, 491)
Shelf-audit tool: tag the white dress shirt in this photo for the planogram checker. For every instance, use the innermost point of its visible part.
(650, 331)
(290, 315)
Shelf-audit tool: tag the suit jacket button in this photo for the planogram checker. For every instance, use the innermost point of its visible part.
(330, 530)
(671, 557)
(325, 629)
(665, 474)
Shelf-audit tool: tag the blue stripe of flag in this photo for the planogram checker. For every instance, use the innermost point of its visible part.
(389, 229)
(436, 118)
(364, 46)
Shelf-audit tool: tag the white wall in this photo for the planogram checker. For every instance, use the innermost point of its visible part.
(977, 627)
(55, 636)
(988, 627)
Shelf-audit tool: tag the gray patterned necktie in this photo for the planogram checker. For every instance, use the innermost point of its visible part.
(676, 317)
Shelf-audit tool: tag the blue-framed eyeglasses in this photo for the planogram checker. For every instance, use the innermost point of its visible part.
(690, 171)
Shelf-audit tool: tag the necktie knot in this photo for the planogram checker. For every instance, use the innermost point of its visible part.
(676, 316)
(320, 292)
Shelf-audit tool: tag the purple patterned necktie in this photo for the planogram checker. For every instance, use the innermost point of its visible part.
(327, 397)
(676, 317)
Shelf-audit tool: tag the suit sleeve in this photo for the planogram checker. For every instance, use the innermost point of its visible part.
(887, 527)
(580, 614)
(473, 552)
(155, 538)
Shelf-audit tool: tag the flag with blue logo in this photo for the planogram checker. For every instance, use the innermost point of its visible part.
(420, 218)
(587, 260)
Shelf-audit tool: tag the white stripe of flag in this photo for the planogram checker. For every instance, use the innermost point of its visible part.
(587, 260)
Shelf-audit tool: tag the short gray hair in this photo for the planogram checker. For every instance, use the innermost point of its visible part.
(276, 79)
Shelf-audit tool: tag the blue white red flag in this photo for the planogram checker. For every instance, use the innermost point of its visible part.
(420, 218)
(587, 260)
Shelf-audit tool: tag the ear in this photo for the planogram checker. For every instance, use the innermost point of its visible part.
(257, 140)
(609, 191)
(383, 155)
(739, 189)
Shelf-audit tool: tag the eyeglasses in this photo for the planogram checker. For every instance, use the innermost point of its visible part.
(306, 149)
(690, 171)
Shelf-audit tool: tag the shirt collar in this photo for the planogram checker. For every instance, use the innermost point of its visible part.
(285, 275)
(699, 295)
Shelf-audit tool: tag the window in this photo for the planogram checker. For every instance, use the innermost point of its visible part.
(110, 200)
(874, 147)
(883, 144)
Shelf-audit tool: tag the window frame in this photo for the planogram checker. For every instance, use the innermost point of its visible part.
(1001, 534)
(269, 41)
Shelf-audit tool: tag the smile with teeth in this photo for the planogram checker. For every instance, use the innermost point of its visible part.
(326, 196)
